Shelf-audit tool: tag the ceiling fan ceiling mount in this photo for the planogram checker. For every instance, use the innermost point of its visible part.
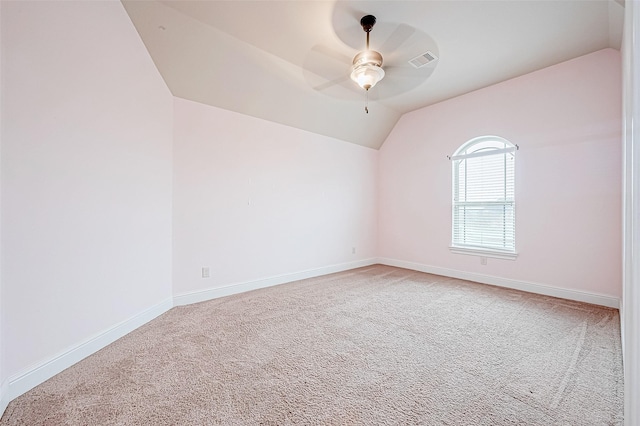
(367, 22)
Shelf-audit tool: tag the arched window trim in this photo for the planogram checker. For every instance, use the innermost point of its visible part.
(467, 151)
(461, 152)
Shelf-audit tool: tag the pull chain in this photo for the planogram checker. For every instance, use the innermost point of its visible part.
(366, 103)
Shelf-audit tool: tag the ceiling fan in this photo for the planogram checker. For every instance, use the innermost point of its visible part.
(402, 70)
(367, 65)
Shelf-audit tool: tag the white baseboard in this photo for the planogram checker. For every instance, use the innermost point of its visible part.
(547, 290)
(4, 396)
(227, 290)
(23, 382)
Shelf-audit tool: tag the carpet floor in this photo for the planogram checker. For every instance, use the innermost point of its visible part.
(371, 346)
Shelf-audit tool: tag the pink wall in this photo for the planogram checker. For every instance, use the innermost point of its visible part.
(92, 189)
(566, 120)
(86, 177)
(254, 199)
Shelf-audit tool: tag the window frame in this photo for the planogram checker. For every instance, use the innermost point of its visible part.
(501, 147)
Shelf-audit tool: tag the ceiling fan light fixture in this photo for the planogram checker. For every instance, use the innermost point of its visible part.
(367, 75)
(366, 70)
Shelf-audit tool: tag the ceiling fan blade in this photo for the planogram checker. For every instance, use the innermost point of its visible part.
(345, 22)
(327, 70)
(333, 54)
(323, 65)
(331, 83)
(400, 79)
(407, 71)
(397, 38)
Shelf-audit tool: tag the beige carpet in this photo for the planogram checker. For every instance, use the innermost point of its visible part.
(376, 346)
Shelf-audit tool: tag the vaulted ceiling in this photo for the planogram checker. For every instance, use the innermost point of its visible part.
(289, 61)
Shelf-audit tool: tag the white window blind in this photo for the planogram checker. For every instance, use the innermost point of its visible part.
(484, 195)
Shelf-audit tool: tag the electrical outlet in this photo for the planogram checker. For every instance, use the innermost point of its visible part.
(353, 250)
(206, 272)
(483, 260)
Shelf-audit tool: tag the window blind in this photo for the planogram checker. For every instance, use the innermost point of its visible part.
(484, 198)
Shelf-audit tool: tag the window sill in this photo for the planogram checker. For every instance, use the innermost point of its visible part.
(484, 253)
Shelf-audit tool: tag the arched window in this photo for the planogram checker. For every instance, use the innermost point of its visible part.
(484, 198)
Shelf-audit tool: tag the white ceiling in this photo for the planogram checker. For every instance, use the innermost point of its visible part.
(289, 61)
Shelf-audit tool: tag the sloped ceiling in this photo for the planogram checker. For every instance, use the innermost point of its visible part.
(289, 61)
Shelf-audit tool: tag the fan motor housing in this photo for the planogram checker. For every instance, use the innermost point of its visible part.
(370, 57)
